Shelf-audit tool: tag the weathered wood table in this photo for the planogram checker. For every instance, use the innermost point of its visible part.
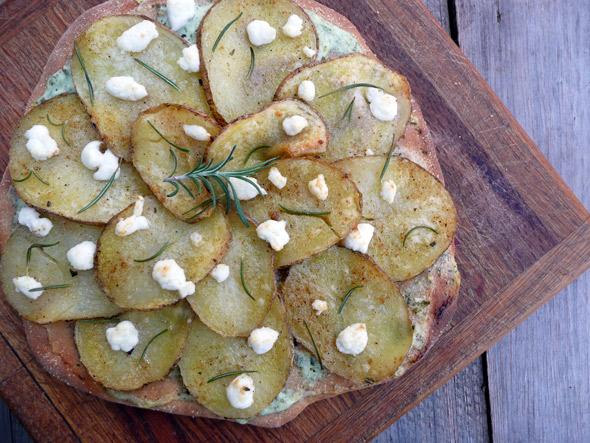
(533, 385)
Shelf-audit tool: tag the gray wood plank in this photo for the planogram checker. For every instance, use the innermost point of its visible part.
(11, 429)
(534, 54)
(440, 9)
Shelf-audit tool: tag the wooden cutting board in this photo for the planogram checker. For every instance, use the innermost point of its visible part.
(522, 234)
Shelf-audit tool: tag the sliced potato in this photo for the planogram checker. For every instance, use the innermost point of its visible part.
(208, 355)
(308, 234)
(378, 304)
(155, 159)
(103, 59)
(71, 185)
(129, 283)
(352, 134)
(226, 307)
(421, 202)
(231, 90)
(50, 266)
(124, 371)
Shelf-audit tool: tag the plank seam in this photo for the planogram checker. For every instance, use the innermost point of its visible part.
(487, 396)
(453, 25)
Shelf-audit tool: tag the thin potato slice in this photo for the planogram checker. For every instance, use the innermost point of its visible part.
(264, 130)
(421, 202)
(129, 283)
(124, 371)
(232, 90)
(71, 185)
(226, 307)
(155, 159)
(309, 234)
(103, 59)
(50, 266)
(355, 131)
(208, 355)
(378, 304)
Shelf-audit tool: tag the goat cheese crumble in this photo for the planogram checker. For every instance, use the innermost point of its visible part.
(40, 144)
(294, 26)
(220, 273)
(294, 125)
(138, 37)
(276, 178)
(135, 222)
(190, 60)
(388, 191)
(319, 306)
(353, 339)
(123, 337)
(309, 53)
(359, 238)
(31, 219)
(306, 90)
(274, 233)
(260, 32)
(245, 190)
(180, 12)
(262, 340)
(196, 239)
(240, 392)
(171, 277)
(383, 106)
(105, 163)
(125, 88)
(25, 284)
(318, 187)
(81, 256)
(197, 132)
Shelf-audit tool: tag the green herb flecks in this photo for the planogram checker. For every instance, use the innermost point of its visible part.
(317, 353)
(157, 74)
(101, 194)
(230, 374)
(348, 111)
(223, 31)
(166, 140)
(30, 251)
(414, 229)
(88, 82)
(257, 148)
(148, 345)
(354, 85)
(31, 172)
(63, 129)
(156, 255)
(252, 63)
(348, 294)
(312, 214)
(47, 288)
(243, 281)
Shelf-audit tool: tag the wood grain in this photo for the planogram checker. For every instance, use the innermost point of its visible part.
(523, 236)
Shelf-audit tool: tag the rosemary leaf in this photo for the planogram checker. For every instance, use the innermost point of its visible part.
(46, 288)
(99, 320)
(157, 74)
(53, 124)
(175, 160)
(389, 154)
(223, 31)
(252, 62)
(63, 134)
(88, 82)
(156, 255)
(31, 172)
(415, 228)
(354, 85)
(294, 212)
(173, 193)
(349, 110)
(242, 278)
(317, 353)
(200, 205)
(254, 150)
(229, 374)
(148, 345)
(166, 140)
(30, 251)
(101, 194)
(346, 297)
(39, 178)
(185, 187)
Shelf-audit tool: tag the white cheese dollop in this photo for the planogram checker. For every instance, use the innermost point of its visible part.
(190, 60)
(260, 32)
(170, 276)
(240, 392)
(244, 189)
(126, 88)
(180, 12)
(220, 273)
(40, 144)
(262, 340)
(274, 232)
(388, 191)
(319, 306)
(294, 26)
(383, 106)
(81, 256)
(123, 337)
(309, 52)
(359, 238)
(369, 152)
(197, 132)
(129, 225)
(306, 90)
(318, 187)
(105, 163)
(196, 239)
(31, 219)
(25, 284)
(138, 37)
(276, 178)
(353, 339)
(294, 125)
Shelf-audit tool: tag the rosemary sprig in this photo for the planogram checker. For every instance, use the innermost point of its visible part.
(166, 140)
(173, 193)
(156, 255)
(204, 205)
(348, 294)
(99, 320)
(389, 155)
(223, 31)
(415, 228)
(88, 82)
(63, 129)
(252, 62)
(229, 374)
(206, 172)
(31, 172)
(354, 85)
(30, 251)
(348, 111)
(257, 148)
(101, 194)
(157, 74)
(243, 282)
(46, 288)
(294, 212)
(148, 345)
(317, 353)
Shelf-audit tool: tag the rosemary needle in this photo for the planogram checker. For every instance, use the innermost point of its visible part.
(88, 82)
(415, 228)
(313, 214)
(252, 62)
(157, 74)
(317, 353)
(148, 345)
(229, 374)
(156, 255)
(101, 194)
(354, 85)
(223, 31)
(346, 298)
(243, 282)
(31, 172)
(166, 140)
(46, 288)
